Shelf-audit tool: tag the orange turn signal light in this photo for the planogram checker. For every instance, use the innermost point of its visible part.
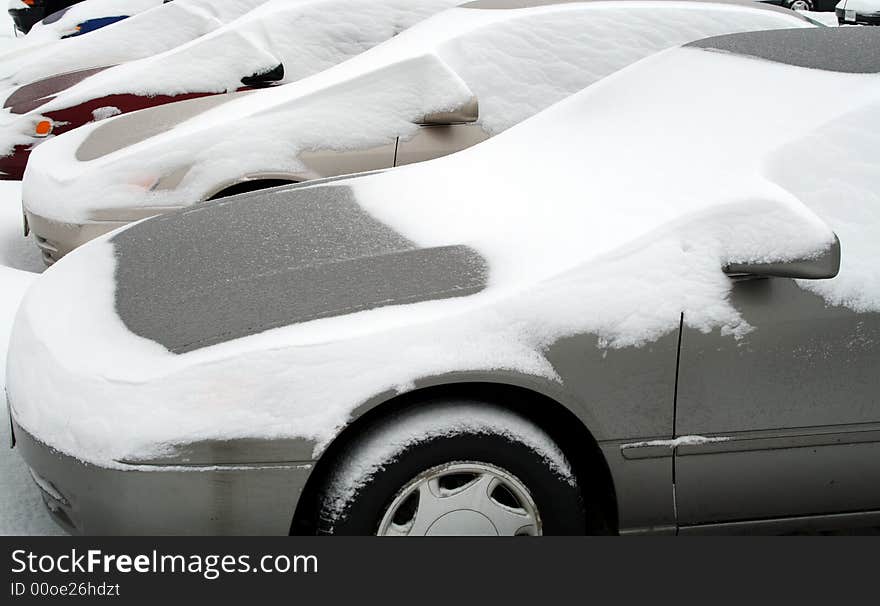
(43, 128)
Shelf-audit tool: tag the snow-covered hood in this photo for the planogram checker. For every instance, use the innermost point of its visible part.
(515, 61)
(605, 215)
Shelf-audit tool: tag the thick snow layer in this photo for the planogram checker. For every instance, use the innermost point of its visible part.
(161, 28)
(305, 36)
(517, 62)
(605, 215)
(847, 197)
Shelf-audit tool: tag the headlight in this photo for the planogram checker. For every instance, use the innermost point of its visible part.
(43, 128)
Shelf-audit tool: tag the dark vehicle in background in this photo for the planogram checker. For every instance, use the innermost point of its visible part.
(27, 13)
(858, 12)
(823, 6)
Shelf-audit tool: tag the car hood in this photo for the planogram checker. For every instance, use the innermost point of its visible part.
(618, 226)
(35, 94)
(242, 266)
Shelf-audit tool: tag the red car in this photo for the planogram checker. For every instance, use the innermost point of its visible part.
(51, 123)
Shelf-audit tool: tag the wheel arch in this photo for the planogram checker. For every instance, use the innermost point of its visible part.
(252, 183)
(562, 425)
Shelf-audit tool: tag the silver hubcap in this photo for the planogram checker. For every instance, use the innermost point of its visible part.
(464, 499)
(800, 5)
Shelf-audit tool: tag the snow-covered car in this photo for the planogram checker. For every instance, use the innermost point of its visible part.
(268, 46)
(446, 84)
(618, 316)
(164, 26)
(26, 14)
(69, 18)
(861, 12)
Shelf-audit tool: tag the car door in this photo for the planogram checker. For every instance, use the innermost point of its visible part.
(796, 403)
(435, 141)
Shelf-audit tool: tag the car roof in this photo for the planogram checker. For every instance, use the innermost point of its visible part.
(848, 50)
(513, 4)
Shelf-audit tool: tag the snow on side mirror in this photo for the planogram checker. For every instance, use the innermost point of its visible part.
(823, 267)
(467, 113)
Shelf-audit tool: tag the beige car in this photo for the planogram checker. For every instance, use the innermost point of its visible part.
(446, 84)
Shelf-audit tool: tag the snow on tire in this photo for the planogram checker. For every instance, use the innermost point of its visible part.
(452, 468)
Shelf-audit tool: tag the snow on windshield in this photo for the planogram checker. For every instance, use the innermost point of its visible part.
(610, 214)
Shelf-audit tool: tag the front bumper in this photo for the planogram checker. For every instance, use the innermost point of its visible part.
(858, 19)
(56, 239)
(252, 499)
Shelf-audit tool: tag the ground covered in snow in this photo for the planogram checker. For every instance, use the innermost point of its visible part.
(21, 510)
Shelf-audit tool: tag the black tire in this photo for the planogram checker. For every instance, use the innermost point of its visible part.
(805, 5)
(372, 471)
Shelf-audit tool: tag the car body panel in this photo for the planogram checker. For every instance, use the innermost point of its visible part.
(431, 142)
(195, 500)
(798, 404)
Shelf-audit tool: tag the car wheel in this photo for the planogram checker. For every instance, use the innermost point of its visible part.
(462, 468)
(801, 5)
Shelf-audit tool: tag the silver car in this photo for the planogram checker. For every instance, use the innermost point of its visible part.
(664, 326)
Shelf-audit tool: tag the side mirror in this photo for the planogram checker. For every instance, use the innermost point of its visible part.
(823, 267)
(467, 113)
(264, 79)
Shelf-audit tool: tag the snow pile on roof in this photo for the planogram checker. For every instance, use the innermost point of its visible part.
(517, 62)
(605, 215)
(161, 28)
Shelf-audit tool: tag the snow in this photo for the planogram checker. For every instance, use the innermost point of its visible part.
(43, 33)
(305, 36)
(847, 198)
(679, 441)
(517, 62)
(21, 509)
(255, 43)
(102, 113)
(385, 443)
(161, 28)
(604, 215)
